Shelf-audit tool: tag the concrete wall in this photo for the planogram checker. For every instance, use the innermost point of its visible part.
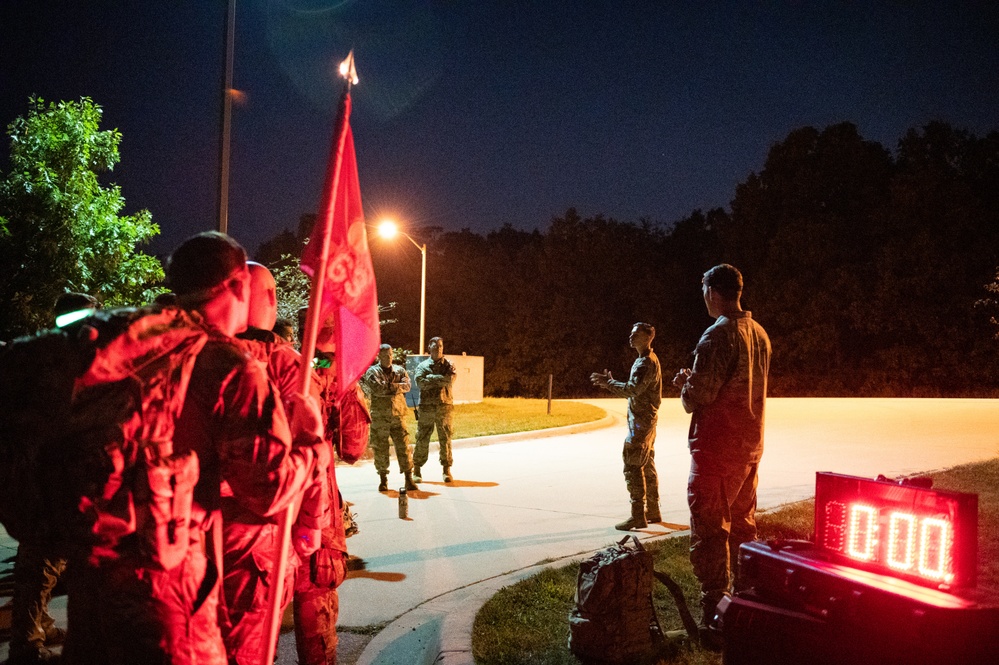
(468, 381)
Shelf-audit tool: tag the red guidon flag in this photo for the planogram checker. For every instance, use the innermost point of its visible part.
(347, 289)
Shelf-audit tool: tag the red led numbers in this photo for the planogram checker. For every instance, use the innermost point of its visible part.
(917, 533)
(902, 541)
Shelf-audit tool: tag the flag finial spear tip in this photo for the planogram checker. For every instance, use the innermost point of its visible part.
(347, 69)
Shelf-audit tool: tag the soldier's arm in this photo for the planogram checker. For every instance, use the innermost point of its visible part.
(422, 376)
(708, 374)
(256, 456)
(404, 384)
(642, 375)
(426, 378)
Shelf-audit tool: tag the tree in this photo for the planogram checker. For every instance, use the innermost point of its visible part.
(60, 229)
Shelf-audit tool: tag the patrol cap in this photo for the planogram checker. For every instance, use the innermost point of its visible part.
(203, 261)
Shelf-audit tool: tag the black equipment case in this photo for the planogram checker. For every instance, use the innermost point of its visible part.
(794, 606)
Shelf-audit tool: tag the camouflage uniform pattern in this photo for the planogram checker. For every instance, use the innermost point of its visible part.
(128, 611)
(250, 542)
(434, 379)
(387, 388)
(644, 392)
(726, 395)
(35, 577)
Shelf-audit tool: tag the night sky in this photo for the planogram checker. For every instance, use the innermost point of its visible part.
(476, 113)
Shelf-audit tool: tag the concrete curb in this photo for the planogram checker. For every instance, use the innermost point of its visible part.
(475, 442)
(439, 631)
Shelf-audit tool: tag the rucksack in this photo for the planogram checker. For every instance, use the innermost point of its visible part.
(614, 621)
(87, 417)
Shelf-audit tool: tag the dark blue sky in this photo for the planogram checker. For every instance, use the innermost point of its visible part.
(477, 113)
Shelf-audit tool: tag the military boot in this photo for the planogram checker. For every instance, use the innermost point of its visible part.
(636, 521)
(652, 513)
(447, 474)
(383, 484)
(417, 476)
(410, 485)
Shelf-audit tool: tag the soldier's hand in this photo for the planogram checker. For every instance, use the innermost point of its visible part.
(601, 378)
(305, 419)
(681, 378)
(306, 540)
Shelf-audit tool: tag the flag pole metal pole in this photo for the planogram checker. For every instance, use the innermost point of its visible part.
(273, 621)
(230, 37)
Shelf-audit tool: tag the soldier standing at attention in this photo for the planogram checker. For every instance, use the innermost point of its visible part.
(434, 377)
(725, 392)
(386, 386)
(644, 392)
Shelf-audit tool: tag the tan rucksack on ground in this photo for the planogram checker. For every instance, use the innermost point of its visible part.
(614, 621)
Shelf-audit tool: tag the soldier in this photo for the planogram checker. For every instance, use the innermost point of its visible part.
(386, 386)
(250, 542)
(32, 628)
(725, 393)
(127, 609)
(644, 393)
(434, 377)
(316, 601)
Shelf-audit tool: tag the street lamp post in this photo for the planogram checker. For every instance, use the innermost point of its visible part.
(388, 230)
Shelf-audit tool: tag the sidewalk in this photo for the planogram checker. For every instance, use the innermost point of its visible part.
(524, 502)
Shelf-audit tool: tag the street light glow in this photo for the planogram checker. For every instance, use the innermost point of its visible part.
(387, 229)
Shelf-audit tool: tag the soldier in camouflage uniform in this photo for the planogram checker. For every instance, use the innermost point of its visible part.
(725, 393)
(33, 629)
(386, 386)
(434, 377)
(644, 392)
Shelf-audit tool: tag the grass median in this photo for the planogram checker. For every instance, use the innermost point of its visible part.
(528, 623)
(506, 415)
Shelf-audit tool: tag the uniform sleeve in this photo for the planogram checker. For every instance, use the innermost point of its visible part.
(254, 442)
(422, 376)
(426, 379)
(404, 384)
(369, 382)
(642, 375)
(708, 375)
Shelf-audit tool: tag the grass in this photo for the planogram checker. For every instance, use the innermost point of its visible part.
(498, 415)
(527, 623)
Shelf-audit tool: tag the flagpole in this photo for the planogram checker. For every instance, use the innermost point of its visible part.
(308, 350)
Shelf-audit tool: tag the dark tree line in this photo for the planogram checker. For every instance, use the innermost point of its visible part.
(868, 267)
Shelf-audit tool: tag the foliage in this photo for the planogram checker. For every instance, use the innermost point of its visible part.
(62, 230)
(867, 266)
(292, 287)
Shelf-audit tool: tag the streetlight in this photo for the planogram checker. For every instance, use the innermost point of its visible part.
(388, 229)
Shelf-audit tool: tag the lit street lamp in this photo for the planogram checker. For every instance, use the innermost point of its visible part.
(388, 230)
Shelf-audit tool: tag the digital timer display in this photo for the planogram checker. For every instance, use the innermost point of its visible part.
(926, 536)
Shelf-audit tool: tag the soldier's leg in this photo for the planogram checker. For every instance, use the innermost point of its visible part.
(250, 552)
(743, 513)
(445, 419)
(652, 511)
(379, 444)
(424, 430)
(710, 525)
(316, 610)
(35, 577)
(400, 441)
(634, 480)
